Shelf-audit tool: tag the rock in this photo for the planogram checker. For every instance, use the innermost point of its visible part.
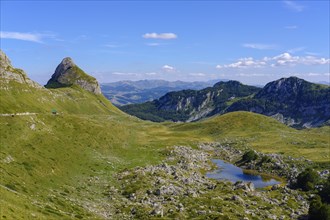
(133, 211)
(237, 199)
(157, 192)
(9, 73)
(270, 216)
(33, 127)
(276, 187)
(68, 73)
(249, 186)
(158, 210)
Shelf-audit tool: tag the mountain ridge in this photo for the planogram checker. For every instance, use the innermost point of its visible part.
(292, 101)
(134, 92)
(192, 105)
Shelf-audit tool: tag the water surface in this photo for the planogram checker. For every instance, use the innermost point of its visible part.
(227, 171)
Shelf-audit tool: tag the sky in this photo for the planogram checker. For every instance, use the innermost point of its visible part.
(254, 42)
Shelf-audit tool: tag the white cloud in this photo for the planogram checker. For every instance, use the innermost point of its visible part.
(297, 49)
(284, 59)
(260, 46)
(151, 74)
(312, 53)
(168, 68)
(291, 27)
(153, 44)
(124, 74)
(244, 63)
(111, 45)
(294, 6)
(21, 36)
(251, 74)
(197, 74)
(314, 74)
(163, 36)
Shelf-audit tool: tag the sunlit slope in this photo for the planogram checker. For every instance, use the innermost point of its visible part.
(53, 165)
(58, 166)
(264, 134)
(17, 97)
(62, 166)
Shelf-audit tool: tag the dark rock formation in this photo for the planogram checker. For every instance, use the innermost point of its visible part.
(68, 73)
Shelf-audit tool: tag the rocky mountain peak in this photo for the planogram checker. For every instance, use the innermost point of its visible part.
(4, 60)
(8, 73)
(67, 73)
(283, 89)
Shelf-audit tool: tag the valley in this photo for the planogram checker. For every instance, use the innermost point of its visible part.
(90, 160)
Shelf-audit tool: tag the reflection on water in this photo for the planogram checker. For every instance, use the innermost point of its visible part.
(233, 173)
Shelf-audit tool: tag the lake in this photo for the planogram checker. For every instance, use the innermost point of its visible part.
(233, 173)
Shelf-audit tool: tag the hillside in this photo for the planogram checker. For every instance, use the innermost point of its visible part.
(292, 101)
(192, 105)
(92, 161)
(20, 94)
(133, 92)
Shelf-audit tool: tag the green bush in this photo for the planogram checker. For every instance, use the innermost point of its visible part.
(307, 179)
(250, 156)
(318, 210)
(325, 192)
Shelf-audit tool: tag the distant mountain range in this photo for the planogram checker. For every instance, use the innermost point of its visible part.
(292, 101)
(133, 92)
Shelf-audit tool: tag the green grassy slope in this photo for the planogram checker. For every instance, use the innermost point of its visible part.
(61, 166)
(264, 134)
(16, 97)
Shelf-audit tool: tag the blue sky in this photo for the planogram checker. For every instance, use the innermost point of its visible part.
(250, 41)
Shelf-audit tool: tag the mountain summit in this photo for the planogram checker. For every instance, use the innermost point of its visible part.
(292, 100)
(8, 73)
(67, 73)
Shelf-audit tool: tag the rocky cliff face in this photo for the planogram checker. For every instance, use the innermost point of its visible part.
(192, 105)
(9, 73)
(68, 73)
(292, 101)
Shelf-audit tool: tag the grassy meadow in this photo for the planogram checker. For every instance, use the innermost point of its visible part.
(61, 166)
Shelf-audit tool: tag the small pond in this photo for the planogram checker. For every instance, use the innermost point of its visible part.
(233, 173)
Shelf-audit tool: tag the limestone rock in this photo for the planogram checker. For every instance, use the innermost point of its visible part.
(68, 73)
(9, 73)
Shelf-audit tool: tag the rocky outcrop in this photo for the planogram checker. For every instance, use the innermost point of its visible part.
(178, 189)
(192, 105)
(292, 101)
(68, 73)
(9, 73)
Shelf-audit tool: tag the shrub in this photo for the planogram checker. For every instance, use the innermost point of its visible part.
(250, 156)
(266, 159)
(318, 210)
(307, 179)
(325, 192)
